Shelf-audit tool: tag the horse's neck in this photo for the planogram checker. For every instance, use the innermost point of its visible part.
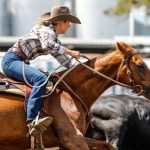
(87, 84)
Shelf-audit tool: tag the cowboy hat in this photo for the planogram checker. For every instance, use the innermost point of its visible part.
(59, 13)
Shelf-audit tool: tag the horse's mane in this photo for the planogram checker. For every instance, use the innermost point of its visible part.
(101, 57)
(110, 53)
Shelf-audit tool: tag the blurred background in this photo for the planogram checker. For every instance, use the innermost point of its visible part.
(103, 23)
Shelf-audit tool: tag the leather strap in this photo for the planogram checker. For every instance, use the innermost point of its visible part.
(21, 54)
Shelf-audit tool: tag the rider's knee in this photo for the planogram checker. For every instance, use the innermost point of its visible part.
(43, 77)
(40, 79)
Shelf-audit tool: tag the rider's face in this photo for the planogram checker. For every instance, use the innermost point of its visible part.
(62, 27)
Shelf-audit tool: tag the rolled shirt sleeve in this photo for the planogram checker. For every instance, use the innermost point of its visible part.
(61, 50)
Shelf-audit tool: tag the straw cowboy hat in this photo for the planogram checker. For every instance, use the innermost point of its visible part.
(59, 13)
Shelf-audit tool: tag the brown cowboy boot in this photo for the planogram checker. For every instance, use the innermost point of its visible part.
(35, 128)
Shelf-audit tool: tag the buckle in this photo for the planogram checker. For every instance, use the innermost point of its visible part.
(27, 61)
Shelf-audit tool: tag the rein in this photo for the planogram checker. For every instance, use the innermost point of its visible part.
(104, 76)
(60, 79)
(45, 82)
(79, 98)
(130, 76)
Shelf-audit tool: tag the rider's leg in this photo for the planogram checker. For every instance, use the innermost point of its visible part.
(12, 67)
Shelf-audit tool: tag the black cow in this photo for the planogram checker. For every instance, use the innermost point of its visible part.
(124, 120)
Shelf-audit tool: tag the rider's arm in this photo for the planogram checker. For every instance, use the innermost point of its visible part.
(48, 42)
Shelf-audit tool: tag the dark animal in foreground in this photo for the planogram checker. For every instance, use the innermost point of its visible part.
(121, 120)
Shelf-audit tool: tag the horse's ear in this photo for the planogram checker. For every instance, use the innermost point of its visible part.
(121, 46)
(124, 44)
(124, 48)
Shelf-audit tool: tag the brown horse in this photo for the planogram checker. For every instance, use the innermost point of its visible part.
(67, 129)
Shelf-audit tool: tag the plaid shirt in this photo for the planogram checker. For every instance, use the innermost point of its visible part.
(42, 40)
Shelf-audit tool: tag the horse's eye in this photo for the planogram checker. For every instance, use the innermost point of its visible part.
(140, 67)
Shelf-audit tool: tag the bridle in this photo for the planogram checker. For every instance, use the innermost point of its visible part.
(130, 76)
(133, 84)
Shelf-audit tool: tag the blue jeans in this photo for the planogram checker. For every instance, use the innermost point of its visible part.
(12, 67)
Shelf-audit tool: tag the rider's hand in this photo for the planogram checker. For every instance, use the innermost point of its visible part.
(72, 53)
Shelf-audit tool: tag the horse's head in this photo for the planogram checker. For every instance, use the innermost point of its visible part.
(135, 71)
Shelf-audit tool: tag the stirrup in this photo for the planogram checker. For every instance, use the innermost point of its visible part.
(39, 126)
(37, 143)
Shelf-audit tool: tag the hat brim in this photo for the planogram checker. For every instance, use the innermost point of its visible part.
(70, 18)
(46, 16)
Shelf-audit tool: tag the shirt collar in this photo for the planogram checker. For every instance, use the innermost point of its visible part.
(52, 27)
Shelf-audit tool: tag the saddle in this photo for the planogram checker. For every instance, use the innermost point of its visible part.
(6, 81)
(19, 88)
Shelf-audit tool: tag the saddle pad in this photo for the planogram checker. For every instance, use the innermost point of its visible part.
(15, 91)
(21, 93)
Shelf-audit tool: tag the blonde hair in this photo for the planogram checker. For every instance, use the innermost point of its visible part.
(47, 22)
(43, 22)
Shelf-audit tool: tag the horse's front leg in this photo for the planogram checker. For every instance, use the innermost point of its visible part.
(68, 136)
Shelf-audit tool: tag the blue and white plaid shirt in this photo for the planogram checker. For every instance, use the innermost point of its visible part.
(42, 40)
